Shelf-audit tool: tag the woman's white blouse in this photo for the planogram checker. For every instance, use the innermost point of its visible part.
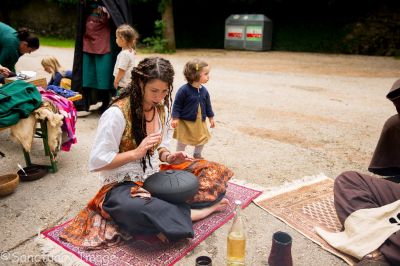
(106, 147)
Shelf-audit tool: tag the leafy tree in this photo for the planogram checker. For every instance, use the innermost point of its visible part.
(166, 26)
(165, 8)
(157, 43)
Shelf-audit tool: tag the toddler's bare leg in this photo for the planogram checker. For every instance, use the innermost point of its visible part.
(180, 146)
(197, 151)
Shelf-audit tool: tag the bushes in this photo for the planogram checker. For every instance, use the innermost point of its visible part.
(157, 43)
(376, 34)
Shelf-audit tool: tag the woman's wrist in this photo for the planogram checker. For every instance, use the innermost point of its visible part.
(167, 156)
(136, 154)
(163, 154)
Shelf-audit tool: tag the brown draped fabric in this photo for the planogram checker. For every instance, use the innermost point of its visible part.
(394, 95)
(96, 39)
(386, 158)
(354, 191)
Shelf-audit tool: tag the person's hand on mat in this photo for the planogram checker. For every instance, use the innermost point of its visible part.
(178, 157)
(148, 143)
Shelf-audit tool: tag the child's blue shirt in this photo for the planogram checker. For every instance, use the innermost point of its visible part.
(187, 100)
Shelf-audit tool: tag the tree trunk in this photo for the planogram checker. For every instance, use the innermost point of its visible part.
(168, 19)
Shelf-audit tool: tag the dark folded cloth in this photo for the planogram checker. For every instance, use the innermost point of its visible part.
(61, 91)
(386, 158)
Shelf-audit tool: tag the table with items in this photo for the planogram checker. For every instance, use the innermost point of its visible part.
(52, 116)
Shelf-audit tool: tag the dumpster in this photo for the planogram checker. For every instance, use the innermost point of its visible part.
(248, 32)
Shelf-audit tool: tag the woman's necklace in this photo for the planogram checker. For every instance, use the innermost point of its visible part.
(154, 114)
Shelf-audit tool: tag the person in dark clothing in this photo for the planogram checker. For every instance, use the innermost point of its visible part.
(386, 158)
(14, 44)
(96, 51)
(354, 191)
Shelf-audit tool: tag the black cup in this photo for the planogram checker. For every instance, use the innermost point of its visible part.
(203, 261)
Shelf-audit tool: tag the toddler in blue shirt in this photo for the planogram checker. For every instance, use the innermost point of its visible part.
(191, 106)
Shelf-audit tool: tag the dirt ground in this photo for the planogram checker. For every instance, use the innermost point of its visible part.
(279, 116)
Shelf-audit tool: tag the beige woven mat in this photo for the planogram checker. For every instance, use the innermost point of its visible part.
(304, 206)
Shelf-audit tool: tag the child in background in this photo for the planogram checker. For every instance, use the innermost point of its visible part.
(191, 106)
(126, 39)
(59, 76)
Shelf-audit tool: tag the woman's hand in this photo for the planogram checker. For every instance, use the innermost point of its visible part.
(178, 157)
(148, 143)
(123, 158)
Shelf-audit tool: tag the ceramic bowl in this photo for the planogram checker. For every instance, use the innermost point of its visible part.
(33, 172)
(8, 184)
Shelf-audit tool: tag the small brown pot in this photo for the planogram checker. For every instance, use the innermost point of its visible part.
(281, 254)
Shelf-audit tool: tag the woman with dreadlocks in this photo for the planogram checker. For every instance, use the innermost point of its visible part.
(131, 139)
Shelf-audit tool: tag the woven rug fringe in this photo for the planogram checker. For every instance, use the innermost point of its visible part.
(290, 186)
(56, 253)
(244, 183)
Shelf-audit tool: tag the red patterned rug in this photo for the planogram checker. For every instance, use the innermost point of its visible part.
(146, 251)
(303, 205)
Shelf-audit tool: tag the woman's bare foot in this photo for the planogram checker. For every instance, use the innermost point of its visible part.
(202, 213)
(162, 237)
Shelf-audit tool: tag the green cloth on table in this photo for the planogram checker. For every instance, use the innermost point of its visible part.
(17, 100)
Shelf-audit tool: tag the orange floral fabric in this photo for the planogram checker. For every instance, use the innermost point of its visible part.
(213, 178)
(93, 228)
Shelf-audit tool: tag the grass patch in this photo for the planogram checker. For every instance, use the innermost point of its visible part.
(54, 42)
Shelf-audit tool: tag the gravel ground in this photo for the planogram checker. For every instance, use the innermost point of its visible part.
(279, 116)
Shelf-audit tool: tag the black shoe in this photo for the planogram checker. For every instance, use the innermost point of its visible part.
(80, 105)
(102, 109)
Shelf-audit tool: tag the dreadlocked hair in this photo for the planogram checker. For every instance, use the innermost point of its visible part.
(147, 70)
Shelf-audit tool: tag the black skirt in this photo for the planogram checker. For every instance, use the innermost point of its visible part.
(148, 216)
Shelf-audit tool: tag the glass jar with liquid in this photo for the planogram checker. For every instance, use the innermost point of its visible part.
(236, 242)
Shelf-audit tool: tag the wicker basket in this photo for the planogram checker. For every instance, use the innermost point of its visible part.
(8, 183)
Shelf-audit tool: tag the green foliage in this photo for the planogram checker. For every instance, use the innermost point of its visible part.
(65, 2)
(377, 34)
(162, 5)
(157, 43)
(63, 43)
